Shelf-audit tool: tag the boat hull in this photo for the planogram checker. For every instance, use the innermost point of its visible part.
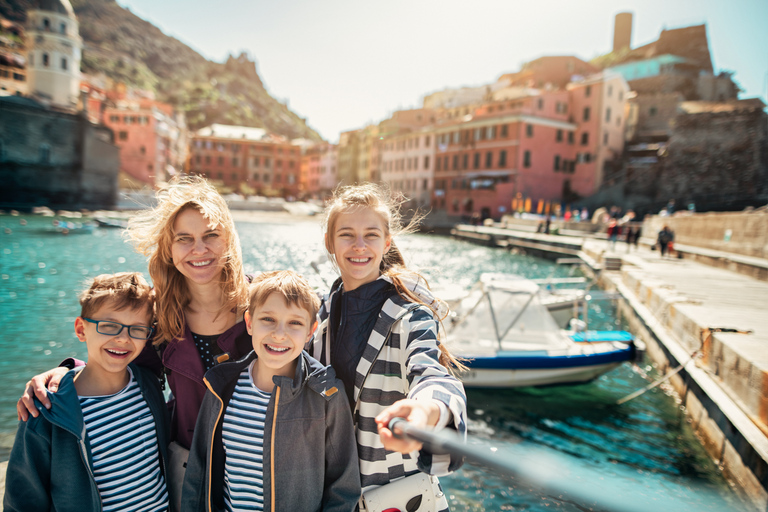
(522, 370)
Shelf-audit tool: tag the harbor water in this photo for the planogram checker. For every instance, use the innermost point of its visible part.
(643, 450)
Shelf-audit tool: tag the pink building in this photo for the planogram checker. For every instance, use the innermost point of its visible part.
(406, 164)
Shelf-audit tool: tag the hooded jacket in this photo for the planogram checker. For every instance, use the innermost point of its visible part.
(310, 462)
(400, 360)
(58, 436)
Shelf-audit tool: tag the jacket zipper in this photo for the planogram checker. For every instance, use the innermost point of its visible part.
(84, 455)
(272, 451)
(210, 444)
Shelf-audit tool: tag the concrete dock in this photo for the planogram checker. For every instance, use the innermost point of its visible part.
(712, 320)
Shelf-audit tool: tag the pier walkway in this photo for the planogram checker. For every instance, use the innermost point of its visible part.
(712, 320)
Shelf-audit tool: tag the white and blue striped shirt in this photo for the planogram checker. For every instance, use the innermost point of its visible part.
(126, 459)
(243, 437)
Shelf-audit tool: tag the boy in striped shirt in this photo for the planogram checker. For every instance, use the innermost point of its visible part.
(274, 430)
(102, 444)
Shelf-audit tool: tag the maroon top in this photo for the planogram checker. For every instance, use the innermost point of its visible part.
(185, 371)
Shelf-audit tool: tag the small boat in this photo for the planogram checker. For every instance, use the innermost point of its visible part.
(107, 222)
(66, 227)
(510, 339)
(563, 303)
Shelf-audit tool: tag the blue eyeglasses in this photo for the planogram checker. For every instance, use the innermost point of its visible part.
(110, 328)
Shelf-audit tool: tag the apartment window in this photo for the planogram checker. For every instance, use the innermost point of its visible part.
(570, 138)
(588, 91)
(455, 162)
(605, 138)
(437, 163)
(586, 113)
(527, 159)
(491, 132)
(504, 130)
(477, 161)
(465, 161)
(652, 111)
(256, 161)
(198, 159)
(208, 160)
(416, 142)
(456, 136)
(234, 176)
(478, 134)
(143, 150)
(114, 119)
(426, 162)
(426, 141)
(529, 130)
(488, 160)
(256, 177)
(409, 164)
(541, 104)
(266, 178)
(235, 162)
(559, 136)
(607, 114)
(45, 59)
(220, 175)
(502, 158)
(557, 162)
(267, 162)
(64, 63)
(122, 135)
(221, 160)
(584, 138)
(610, 90)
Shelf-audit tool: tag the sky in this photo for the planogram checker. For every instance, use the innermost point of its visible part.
(344, 64)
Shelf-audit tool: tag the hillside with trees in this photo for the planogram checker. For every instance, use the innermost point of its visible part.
(128, 49)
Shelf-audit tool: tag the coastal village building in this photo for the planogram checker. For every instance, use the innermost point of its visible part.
(152, 137)
(407, 165)
(241, 155)
(54, 51)
(319, 163)
(13, 72)
(50, 153)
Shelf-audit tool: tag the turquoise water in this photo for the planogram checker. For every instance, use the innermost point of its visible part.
(643, 450)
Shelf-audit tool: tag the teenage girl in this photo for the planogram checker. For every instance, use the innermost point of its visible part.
(380, 331)
(196, 268)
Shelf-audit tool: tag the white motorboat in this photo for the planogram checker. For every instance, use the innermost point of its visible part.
(510, 339)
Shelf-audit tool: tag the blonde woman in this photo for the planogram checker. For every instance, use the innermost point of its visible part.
(196, 269)
(380, 332)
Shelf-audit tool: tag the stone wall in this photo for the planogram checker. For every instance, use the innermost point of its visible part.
(53, 158)
(717, 159)
(744, 233)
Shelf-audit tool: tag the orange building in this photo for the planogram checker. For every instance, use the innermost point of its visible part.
(236, 155)
(151, 136)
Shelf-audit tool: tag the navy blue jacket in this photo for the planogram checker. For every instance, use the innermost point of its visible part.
(51, 466)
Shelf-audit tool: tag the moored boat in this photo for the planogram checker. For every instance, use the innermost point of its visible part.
(510, 339)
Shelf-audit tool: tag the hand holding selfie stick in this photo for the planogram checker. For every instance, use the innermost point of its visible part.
(546, 477)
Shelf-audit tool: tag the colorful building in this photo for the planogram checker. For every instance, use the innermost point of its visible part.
(240, 155)
(407, 165)
(318, 164)
(152, 137)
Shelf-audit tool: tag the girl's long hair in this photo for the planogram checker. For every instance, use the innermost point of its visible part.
(349, 199)
(151, 232)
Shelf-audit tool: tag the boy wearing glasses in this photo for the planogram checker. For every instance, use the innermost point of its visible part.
(102, 444)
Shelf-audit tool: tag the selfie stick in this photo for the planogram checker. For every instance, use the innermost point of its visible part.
(546, 478)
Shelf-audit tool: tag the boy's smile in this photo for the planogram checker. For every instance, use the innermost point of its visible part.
(109, 355)
(278, 332)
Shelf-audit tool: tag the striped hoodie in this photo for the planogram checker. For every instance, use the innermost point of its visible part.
(401, 360)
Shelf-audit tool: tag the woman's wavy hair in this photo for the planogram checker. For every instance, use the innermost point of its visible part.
(151, 232)
(352, 198)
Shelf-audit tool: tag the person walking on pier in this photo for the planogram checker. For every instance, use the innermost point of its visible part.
(666, 236)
